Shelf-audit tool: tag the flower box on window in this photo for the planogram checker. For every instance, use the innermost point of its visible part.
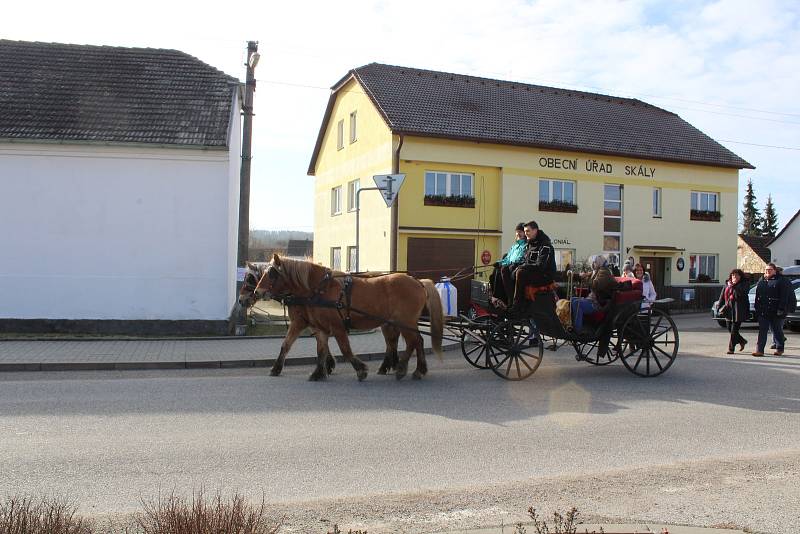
(558, 205)
(701, 215)
(457, 201)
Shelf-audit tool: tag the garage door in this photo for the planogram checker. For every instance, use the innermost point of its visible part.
(433, 258)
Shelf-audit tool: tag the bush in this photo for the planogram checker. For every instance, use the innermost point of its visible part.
(176, 515)
(24, 515)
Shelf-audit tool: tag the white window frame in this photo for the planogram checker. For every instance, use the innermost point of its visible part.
(352, 193)
(560, 253)
(551, 187)
(334, 262)
(336, 200)
(340, 134)
(613, 255)
(448, 179)
(351, 258)
(700, 269)
(696, 200)
(353, 133)
(657, 196)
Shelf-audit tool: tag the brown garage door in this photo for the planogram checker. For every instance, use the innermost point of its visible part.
(433, 258)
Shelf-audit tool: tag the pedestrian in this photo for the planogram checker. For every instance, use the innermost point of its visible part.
(648, 289)
(734, 306)
(772, 303)
(627, 270)
(502, 279)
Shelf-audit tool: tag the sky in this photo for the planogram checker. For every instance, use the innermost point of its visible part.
(731, 68)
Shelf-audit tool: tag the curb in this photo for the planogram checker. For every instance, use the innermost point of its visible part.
(205, 364)
(607, 528)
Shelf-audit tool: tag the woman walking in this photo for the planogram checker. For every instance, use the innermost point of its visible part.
(734, 305)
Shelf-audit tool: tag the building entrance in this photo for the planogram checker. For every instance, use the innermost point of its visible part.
(657, 267)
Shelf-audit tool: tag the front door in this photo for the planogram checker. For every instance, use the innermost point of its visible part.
(656, 267)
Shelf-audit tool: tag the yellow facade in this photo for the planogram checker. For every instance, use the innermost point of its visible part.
(506, 191)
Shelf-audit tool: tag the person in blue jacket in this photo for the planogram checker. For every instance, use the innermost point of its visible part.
(502, 279)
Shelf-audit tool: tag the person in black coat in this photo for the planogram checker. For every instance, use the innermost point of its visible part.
(538, 265)
(734, 305)
(772, 303)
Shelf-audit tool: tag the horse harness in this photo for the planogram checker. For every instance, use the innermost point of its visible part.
(343, 305)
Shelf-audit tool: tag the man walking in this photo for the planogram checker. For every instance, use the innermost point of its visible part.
(772, 303)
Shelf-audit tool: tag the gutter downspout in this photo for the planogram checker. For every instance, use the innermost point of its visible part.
(395, 215)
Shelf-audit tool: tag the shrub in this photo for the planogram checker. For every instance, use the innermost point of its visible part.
(24, 515)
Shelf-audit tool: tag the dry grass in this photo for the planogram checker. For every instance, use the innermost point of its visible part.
(25, 515)
(200, 515)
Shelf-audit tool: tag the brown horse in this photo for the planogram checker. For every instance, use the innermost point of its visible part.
(300, 320)
(393, 300)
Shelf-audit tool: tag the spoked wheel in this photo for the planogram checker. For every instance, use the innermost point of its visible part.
(650, 343)
(510, 346)
(588, 351)
(475, 343)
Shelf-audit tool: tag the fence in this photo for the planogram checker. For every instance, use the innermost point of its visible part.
(690, 298)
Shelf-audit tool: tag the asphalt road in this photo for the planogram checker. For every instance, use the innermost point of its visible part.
(713, 440)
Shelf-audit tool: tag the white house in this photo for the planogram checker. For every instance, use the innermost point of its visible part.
(119, 189)
(785, 246)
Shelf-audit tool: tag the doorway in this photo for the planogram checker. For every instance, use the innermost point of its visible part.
(656, 267)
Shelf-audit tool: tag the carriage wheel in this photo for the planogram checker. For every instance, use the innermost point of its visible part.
(510, 347)
(650, 343)
(475, 343)
(588, 351)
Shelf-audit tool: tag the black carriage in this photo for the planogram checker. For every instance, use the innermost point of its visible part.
(645, 339)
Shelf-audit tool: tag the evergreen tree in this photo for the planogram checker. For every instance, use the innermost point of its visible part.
(751, 217)
(769, 224)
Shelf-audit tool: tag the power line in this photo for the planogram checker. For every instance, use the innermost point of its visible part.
(756, 144)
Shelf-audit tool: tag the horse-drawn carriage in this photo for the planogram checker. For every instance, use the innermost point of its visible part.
(644, 338)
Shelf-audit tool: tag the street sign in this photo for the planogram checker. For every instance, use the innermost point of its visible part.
(389, 184)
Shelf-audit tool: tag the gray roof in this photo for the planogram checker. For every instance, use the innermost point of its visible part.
(759, 245)
(453, 106)
(80, 93)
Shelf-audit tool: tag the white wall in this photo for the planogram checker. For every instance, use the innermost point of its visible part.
(93, 232)
(786, 249)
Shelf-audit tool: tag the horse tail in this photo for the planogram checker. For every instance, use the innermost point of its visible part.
(434, 302)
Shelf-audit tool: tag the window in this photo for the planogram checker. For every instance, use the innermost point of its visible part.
(656, 202)
(353, 135)
(565, 258)
(448, 184)
(352, 194)
(612, 222)
(351, 259)
(336, 258)
(556, 191)
(340, 135)
(702, 267)
(336, 200)
(705, 201)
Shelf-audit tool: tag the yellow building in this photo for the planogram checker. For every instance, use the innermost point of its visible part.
(598, 174)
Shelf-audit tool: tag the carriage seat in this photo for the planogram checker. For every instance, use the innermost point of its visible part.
(628, 290)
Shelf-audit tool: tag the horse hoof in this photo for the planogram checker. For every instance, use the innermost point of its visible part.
(381, 371)
(417, 375)
(362, 375)
(399, 375)
(275, 372)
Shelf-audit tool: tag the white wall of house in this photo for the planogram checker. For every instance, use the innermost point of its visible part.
(786, 248)
(113, 232)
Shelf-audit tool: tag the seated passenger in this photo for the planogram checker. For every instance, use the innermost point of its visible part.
(538, 266)
(603, 284)
(502, 279)
(648, 289)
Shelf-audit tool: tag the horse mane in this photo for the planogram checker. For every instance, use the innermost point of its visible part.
(299, 272)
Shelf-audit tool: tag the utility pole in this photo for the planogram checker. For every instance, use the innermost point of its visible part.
(247, 139)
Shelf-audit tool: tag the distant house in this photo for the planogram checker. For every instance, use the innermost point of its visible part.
(123, 164)
(785, 246)
(752, 254)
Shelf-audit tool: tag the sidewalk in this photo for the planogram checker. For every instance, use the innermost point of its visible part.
(185, 353)
(609, 529)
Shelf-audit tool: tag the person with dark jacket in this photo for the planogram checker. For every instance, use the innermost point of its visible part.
(772, 303)
(734, 305)
(538, 266)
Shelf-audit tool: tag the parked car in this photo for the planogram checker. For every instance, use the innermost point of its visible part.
(751, 317)
(793, 319)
